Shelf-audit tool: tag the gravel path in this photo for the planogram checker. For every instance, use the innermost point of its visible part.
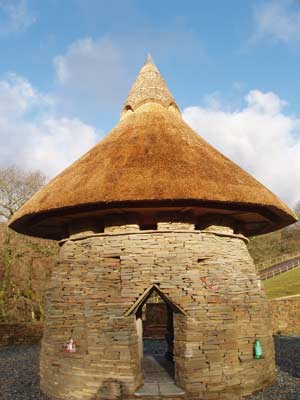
(287, 386)
(19, 373)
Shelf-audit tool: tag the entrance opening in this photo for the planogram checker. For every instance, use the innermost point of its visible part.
(157, 337)
(154, 313)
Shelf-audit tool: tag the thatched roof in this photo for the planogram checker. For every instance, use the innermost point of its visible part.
(149, 86)
(152, 158)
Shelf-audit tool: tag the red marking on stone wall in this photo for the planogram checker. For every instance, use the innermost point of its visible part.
(212, 283)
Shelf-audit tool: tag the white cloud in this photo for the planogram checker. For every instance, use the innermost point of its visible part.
(93, 69)
(32, 136)
(14, 16)
(56, 142)
(278, 20)
(265, 103)
(96, 74)
(17, 96)
(259, 137)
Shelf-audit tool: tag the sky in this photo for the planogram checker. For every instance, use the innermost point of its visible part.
(233, 66)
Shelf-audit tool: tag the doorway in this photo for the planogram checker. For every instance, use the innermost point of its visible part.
(154, 313)
(156, 336)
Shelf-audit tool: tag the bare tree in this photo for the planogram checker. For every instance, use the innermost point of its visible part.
(17, 186)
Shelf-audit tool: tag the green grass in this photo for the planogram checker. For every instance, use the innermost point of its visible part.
(286, 284)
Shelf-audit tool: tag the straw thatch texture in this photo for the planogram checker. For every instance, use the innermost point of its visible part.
(152, 155)
(149, 86)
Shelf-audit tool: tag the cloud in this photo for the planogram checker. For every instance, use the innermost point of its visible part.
(93, 69)
(17, 96)
(95, 74)
(32, 135)
(278, 21)
(56, 142)
(14, 17)
(259, 136)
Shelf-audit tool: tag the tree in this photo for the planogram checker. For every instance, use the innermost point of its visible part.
(16, 187)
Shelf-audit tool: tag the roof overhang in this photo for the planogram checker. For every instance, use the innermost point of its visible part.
(252, 219)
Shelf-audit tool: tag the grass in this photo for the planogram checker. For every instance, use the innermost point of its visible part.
(286, 284)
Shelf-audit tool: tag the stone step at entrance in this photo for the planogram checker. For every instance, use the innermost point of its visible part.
(158, 380)
(160, 391)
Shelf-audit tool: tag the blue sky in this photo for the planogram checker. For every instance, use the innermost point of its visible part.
(233, 66)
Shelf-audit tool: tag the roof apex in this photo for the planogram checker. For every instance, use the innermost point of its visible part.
(149, 87)
(149, 60)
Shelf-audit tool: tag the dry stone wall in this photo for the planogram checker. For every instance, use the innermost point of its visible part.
(208, 274)
(286, 315)
(20, 333)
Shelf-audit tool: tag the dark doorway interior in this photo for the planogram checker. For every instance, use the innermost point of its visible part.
(154, 313)
(155, 317)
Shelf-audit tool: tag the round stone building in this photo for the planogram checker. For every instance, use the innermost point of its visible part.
(154, 207)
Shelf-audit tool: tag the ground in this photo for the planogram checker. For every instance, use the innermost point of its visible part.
(19, 372)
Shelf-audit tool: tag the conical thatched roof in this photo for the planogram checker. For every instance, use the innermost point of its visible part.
(152, 158)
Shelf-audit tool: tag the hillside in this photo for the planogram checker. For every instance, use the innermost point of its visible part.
(272, 245)
(266, 247)
(286, 284)
(25, 267)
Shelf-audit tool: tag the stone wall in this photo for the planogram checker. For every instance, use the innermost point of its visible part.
(12, 334)
(285, 319)
(208, 274)
(286, 315)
